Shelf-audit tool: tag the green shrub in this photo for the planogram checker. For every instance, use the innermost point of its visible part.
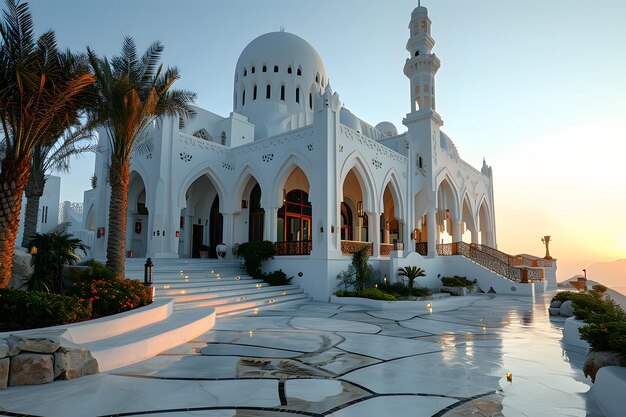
(20, 310)
(50, 252)
(276, 278)
(112, 296)
(97, 270)
(254, 253)
(610, 336)
(411, 273)
(376, 294)
(398, 290)
(599, 288)
(457, 281)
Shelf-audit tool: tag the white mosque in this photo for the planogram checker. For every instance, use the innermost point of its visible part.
(292, 165)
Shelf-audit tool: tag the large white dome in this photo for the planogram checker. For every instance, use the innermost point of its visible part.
(275, 79)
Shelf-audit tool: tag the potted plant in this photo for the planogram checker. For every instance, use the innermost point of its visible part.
(204, 251)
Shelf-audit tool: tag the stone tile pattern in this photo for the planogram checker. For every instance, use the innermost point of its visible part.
(41, 358)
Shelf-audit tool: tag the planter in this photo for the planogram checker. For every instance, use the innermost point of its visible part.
(571, 337)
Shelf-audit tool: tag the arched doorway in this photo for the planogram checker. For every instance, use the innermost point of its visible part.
(294, 217)
(216, 227)
(137, 217)
(346, 222)
(256, 216)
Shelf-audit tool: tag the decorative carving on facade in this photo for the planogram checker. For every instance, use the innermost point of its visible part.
(348, 247)
(381, 150)
(289, 137)
(377, 164)
(188, 140)
(268, 157)
(228, 166)
(309, 146)
(185, 156)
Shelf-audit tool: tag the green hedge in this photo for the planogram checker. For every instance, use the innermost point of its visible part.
(457, 281)
(371, 293)
(20, 310)
(398, 289)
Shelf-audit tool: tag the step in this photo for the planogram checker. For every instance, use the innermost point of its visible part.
(221, 297)
(251, 300)
(256, 309)
(149, 341)
(165, 290)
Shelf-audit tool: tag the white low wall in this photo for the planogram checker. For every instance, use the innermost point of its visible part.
(418, 305)
(609, 389)
(571, 337)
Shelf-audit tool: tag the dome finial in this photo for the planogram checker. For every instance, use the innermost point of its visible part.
(282, 28)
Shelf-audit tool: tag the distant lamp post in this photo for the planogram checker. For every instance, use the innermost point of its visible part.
(585, 272)
(546, 241)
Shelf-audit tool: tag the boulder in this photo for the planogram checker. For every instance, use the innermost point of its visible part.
(4, 372)
(567, 309)
(597, 360)
(37, 343)
(555, 304)
(4, 348)
(31, 369)
(22, 269)
(454, 290)
(13, 344)
(74, 362)
(554, 311)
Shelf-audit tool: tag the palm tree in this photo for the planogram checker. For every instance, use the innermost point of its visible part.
(53, 155)
(411, 273)
(132, 92)
(38, 94)
(53, 250)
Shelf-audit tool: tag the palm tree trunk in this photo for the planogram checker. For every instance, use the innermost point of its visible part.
(116, 243)
(34, 191)
(13, 179)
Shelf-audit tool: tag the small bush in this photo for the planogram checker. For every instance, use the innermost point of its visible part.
(599, 288)
(457, 281)
(112, 296)
(376, 294)
(276, 278)
(398, 290)
(20, 310)
(97, 270)
(609, 336)
(254, 253)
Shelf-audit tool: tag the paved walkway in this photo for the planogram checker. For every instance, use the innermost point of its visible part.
(322, 359)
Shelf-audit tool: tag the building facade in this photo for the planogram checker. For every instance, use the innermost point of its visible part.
(293, 166)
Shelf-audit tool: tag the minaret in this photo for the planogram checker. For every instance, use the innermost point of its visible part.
(423, 124)
(423, 64)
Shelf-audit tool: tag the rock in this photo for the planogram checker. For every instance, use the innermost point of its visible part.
(31, 369)
(567, 309)
(4, 348)
(74, 362)
(554, 311)
(597, 360)
(454, 290)
(22, 269)
(4, 372)
(13, 344)
(555, 304)
(37, 343)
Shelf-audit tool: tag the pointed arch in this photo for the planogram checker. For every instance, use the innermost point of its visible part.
(447, 194)
(192, 176)
(467, 213)
(391, 179)
(291, 162)
(242, 181)
(357, 162)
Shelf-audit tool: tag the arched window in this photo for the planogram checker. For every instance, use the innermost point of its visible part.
(282, 92)
(254, 93)
(256, 216)
(243, 98)
(264, 68)
(289, 69)
(275, 68)
(299, 71)
(223, 138)
(245, 72)
(317, 78)
(297, 95)
(202, 134)
(294, 217)
(253, 69)
(310, 101)
(268, 91)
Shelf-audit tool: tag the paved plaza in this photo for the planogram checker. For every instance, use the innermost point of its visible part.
(321, 359)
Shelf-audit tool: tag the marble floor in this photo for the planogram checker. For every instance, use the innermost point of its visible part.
(322, 359)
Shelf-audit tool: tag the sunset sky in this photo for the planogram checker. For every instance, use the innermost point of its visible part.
(536, 87)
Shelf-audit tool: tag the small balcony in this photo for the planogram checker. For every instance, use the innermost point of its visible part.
(301, 247)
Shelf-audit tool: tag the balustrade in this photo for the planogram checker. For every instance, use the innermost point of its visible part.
(387, 248)
(348, 247)
(421, 248)
(301, 247)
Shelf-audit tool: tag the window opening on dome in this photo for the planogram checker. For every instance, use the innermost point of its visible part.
(264, 68)
(223, 138)
(253, 69)
(254, 93)
(275, 68)
(310, 101)
(289, 69)
(245, 72)
(417, 53)
(297, 95)
(299, 73)
(282, 92)
(268, 91)
(243, 98)
(317, 78)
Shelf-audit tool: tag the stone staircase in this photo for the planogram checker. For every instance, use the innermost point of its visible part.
(220, 284)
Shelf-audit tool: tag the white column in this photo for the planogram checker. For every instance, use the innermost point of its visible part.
(374, 231)
(269, 224)
(228, 232)
(433, 232)
(474, 236)
(456, 231)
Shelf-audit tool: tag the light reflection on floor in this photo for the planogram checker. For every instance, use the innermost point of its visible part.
(321, 359)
